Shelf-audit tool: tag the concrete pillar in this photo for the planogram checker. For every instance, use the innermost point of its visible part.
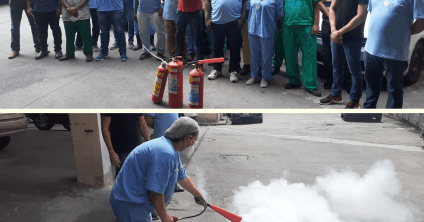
(92, 162)
(208, 118)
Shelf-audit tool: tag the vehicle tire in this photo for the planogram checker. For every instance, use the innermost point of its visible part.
(43, 122)
(4, 141)
(67, 126)
(415, 65)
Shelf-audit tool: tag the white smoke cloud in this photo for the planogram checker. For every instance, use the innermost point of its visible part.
(201, 185)
(343, 196)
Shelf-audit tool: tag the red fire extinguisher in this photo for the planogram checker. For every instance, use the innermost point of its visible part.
(196, 77)
(160, 83)
(175, 83)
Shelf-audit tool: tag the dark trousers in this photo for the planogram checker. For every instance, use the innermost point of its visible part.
(95, 31)
(16, 17)
(327, 59)
(106, 19)
(374, 67)
(83, 28)
(43, 20)
(196, 23)
(228, 30)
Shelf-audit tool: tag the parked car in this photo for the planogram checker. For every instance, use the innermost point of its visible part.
(45, 121)
(245, 118)
(11, 123)
(416, 53)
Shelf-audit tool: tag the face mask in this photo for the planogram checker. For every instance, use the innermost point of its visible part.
(188, 151)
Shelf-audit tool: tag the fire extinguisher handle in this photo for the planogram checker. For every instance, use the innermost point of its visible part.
(215, 60)
(175, 219)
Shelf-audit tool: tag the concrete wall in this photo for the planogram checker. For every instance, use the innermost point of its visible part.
(208, 118)
(415, 119)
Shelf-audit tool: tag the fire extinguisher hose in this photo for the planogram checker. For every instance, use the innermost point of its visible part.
(196, 199)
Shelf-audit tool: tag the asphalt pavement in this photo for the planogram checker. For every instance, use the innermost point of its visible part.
(48, 83)
(38, 180)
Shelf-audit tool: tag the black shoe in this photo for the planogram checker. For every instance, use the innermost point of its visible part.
(114, 46)
(89, 58)
(66, 57)
(58, 54)
(144, 56)
(315, 92)
(245, 71)
(352, 105)
(37, 50)
(41, 55)
(155, 215)
(160, 55)
(137, 47)
(275, 70)
(330, 99)
(178, 188)
(291, 86)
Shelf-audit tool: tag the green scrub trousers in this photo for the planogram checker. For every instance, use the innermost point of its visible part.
(279, 55)
(84, 29)
(295, 37)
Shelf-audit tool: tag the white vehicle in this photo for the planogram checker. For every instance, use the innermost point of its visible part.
(416, 52)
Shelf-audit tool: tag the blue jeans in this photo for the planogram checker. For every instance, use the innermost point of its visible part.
(106, 19)
(352, 52)
(95, 30)
(196, 22)
(262, 50)
(228, 30)
(129, 12)
(374, 67)
(191, 43)
(130, 212)
(16, 17)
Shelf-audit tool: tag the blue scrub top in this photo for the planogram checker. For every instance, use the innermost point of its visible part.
(170, 10)
(149, 6)
(389, 33)
(162, 122)
(152, 166)
(225, 11)
(262, 22)
(110, 5)
(92, 4)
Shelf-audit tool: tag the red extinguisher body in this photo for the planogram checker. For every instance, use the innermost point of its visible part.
(196, 76)
(175, 84)
(160, 83)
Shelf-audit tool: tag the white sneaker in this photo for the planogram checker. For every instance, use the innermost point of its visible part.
(233, 77)
(251, 81)
(264, 83)
(214, 74)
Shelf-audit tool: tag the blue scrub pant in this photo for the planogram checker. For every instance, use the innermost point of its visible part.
(106, 19)
(352, 52)
(129, 212)
(374, 67)
(16, 17)
(263, 48)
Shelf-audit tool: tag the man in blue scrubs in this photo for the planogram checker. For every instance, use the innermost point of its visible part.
(387, 48)
(147, 179)
(111, 12)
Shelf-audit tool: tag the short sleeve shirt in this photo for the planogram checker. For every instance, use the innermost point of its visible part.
(299, 12)
(345, 12)
(92, 4)
(189, 5)
(110, 5)
(389, 32)
(262, 17)
(152, 166)
(125, 131)
(149, 6)
(170, 10)
(83, 13)
(46, 5)
(225, 11)
(162, 122)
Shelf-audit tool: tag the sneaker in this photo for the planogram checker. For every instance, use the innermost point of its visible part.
(131, 45)
(214, 74)
(124, 58)
(178, 188)
(77, 48)
(331, 99)
(160, 55)
(114, 46)
(89, 58)
(252, 81)
(264, 83)
(144, 56)
(245, 71)
(315, 92)
(155, 215)
(41, 55)
(58, 54)
(66, 57)
(352, 105)
(233, 77)
(96, 48)
(101, 57)
(291, 86)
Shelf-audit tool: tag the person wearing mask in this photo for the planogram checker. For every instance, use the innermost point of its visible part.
(387, 48)
(147, 179)
(47, 13)
(263, 18)
(16, 8)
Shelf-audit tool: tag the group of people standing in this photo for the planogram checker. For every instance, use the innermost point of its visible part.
(273, 30)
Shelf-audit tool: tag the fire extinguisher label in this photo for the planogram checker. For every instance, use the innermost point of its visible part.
(194, 79)
(172, 84)
(156, 87)
(160, 74)
(172, 70)
(193, 96)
